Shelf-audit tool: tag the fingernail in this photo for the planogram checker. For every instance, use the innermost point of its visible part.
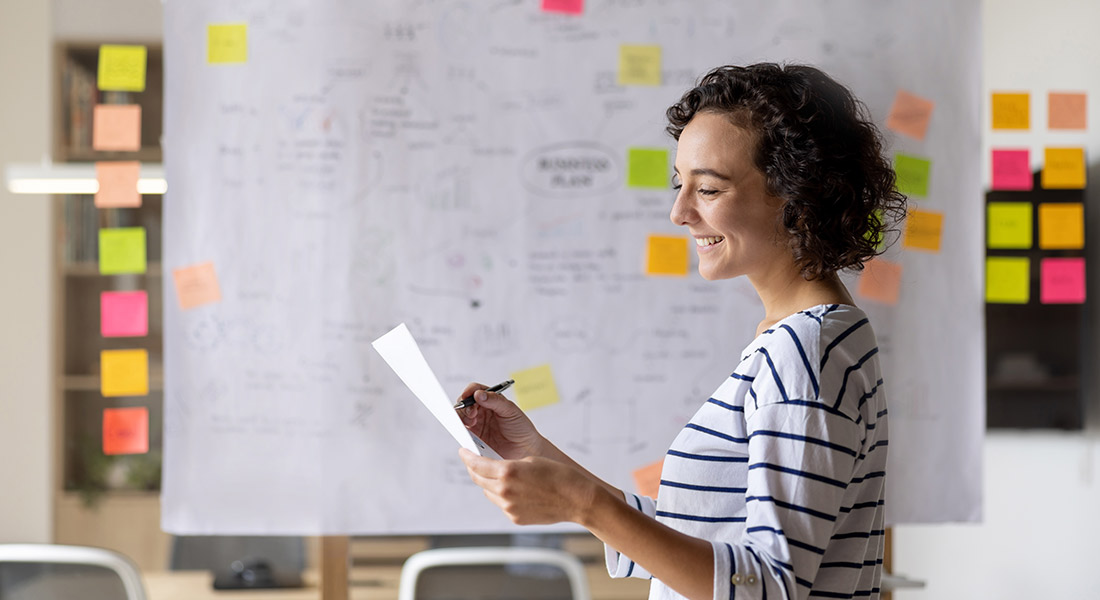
(479, 395)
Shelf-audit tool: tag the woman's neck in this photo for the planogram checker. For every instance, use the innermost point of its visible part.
(787, 293)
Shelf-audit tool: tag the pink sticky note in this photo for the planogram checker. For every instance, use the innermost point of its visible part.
(118, 184)
(570, 7)
(197, 285)
(910, 114)
(1012, 170)
(124, 314)
(116, 127)
(1062, 281)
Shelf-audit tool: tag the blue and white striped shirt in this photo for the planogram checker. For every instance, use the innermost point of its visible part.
(783, 468)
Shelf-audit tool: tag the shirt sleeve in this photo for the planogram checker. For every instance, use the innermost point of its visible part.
(619, 565)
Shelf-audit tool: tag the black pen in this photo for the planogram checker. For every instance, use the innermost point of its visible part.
(468, 401)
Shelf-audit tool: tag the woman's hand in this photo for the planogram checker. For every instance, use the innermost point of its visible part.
(500, 424)
(533, 490)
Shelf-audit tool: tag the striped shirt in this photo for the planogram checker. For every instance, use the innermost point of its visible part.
(783, 468)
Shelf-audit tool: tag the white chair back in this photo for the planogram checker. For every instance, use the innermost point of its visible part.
(505, 555)
(54, 554)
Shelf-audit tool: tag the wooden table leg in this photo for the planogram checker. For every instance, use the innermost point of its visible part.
(334, 567)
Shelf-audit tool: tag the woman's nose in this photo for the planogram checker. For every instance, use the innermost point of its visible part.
(681, 213)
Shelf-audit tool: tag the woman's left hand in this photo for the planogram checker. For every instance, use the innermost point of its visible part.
(533, 490)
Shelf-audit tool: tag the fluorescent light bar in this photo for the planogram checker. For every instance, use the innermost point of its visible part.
(74, 178)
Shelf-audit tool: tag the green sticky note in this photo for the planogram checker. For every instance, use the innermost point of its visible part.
(227, 43)
(535, 387)
(1007, 280)
(912, 174)
(122, 250)
(1008, 225)
(877, 219)
(121, 68)
(647, 168)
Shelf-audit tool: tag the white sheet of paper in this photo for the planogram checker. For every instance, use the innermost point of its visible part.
(402, 354)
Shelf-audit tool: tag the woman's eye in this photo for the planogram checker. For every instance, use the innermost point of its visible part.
(707, 192)
(677, 186)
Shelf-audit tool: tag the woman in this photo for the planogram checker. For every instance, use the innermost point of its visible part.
(775, 488)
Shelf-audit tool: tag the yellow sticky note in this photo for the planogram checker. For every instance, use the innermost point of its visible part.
(122, 250)
(1007, 280)
(667, 255)
(639, 65)
(121, 68)
(124, 373)
(1063, 169)
(923, 230)
(535, 387)
(226, 43)
(1008, 225)
(1011, 110)
(1061, 226)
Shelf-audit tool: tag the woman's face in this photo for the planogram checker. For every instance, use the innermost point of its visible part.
(724, 203)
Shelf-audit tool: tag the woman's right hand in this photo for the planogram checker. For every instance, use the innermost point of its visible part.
(500, 424)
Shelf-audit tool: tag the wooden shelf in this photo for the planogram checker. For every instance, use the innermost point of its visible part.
(90, 383)
(149, 155)
(91, 269)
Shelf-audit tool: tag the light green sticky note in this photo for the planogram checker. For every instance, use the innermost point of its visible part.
(647, 168)
(1007, 280)
(226, 43)
(122, 250)
(535, 387)
(876, 220)
(912, 174)
(1008, 225)
(639, 65)
(121, 68)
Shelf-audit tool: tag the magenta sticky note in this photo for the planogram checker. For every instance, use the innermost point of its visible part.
(1011, 170)
(1062, 281)
(570, 7)
(124, 314)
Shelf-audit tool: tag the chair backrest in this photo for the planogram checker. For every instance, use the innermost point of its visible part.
(57, 572)
(512, 557)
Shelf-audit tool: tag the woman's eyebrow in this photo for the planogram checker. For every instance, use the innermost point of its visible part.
(711, 173)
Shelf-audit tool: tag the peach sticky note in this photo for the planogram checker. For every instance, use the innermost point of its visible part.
(121, 68)
(647, 480)
(126, 430)
(116, 127)
(124, 372)
(1012, 170)
(1011, 110)
(910, 114)
(569, 7)
(197, 285)
(535, 387)
(1063, 169)
(1008, 225)
(1062, 281)
(1007, 280)
(227, 43)
(912, 174)
(124, 314)
(1061, 225)
(639, 65)
(923, 230)
(118, 184)
(881, 281)
(667, 255)
(1066, 110)
(122, 250)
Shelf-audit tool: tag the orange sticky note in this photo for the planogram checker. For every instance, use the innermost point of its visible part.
(1062, 281)
(910, 114)
(1061, 226)
(197, 285)
(923, 230)
(647, 480)
(1063, 169)
(118, 184)
(126, 430)
(1011, 110)
(124, 373)
(116, 127)
(881, 281)
(1066, 110)
(668, 255)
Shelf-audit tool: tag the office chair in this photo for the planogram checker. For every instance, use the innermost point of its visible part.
(501, 573)
(56, 572)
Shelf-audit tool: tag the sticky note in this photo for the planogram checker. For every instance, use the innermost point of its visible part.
(668, 255)
(121, 68)
(535, 387)
(124, 314)
(647, 480)
(912, 174)
(1061, 225)
(569, 7)
(118, 184)
(226, 43)
(1008, 225)
(1063, 169)
(1066, 111)
(126, 430)
(923, 230)
(116, 127)
(124, 373)
(1012, 170)
(122, 250)
(910, 115)
(647, 168)
(639, 65)
(879, 239)
(1062, 281)
(1007, 280)
(880, 281)
(197, 285)
(1011, 110)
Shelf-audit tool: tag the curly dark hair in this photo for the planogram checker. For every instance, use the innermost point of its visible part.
(819, 152)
